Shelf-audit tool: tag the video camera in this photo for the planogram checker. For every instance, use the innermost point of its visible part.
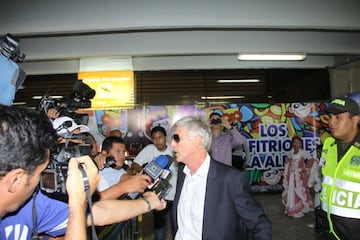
(159, 171)
(12, 76)
(79, 98)
(53, 178)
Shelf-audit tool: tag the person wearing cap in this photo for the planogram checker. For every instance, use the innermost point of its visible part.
(340, 195)
(66, 128)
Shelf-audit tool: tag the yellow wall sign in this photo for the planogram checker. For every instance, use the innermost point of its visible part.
(114, 89)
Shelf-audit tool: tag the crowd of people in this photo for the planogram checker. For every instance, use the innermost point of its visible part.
(27, 138)
(200, 196)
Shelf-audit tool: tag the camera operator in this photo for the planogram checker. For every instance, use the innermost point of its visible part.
(68, 129)
(26, 137)
(114, 180)
(24, 148)
(88, 138)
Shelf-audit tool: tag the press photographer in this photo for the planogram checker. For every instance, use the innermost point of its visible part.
(74, 137)
(71, 143)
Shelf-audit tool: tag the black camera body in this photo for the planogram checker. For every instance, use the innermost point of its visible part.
(79, 98)
(215, 121)
(53, 178)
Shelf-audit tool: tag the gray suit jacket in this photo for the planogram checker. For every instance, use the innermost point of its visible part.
(230, 210)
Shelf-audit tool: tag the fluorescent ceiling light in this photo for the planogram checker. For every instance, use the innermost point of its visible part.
(238, 80)
(272, 56)
(19, 103)
(54, 97)
(222, 97)
(211, 102)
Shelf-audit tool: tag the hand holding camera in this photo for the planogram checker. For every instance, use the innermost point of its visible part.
(74, 176)
(220, 121)
(216, 121)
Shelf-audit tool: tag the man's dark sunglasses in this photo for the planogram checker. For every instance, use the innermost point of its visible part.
(176, 138)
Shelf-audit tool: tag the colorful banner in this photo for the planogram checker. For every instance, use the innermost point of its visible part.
(268, 129)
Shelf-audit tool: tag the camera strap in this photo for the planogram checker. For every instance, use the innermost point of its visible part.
(89, 202)
(34, 235)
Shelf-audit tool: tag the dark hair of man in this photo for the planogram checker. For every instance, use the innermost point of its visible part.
(296, 137)
(158, 129)
(108, 142)
(25, 138)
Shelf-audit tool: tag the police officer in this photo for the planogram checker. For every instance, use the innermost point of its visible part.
(340, 196)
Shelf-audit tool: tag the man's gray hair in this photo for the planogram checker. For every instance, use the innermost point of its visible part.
(196, 126)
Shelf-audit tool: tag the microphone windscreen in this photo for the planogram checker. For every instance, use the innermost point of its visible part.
(171, 159)
(162, 160)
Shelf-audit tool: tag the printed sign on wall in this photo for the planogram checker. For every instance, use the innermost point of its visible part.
(268, 128)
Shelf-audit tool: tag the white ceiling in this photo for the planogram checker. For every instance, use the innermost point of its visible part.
(186, 34)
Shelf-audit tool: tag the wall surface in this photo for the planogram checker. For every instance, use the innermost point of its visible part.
(203, 34)
(345, 80)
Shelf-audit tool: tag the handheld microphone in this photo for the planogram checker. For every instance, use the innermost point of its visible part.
(158, 170)
(156, 167)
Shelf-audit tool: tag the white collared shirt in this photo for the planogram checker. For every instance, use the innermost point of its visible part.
(190, 212)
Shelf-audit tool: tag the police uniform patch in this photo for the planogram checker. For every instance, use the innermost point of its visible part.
(355, 160)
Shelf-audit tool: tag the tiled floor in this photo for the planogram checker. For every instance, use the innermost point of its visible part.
(283, 227)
